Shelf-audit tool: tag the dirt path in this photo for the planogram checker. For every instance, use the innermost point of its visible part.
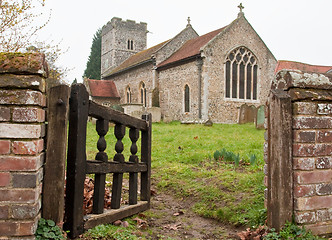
(171, 218)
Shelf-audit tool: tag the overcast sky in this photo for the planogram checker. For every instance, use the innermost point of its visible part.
(297, 30)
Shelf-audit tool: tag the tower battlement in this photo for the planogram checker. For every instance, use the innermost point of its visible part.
(120, 40)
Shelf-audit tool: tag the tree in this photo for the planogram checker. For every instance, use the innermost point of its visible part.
(93, 65)
(18, 25)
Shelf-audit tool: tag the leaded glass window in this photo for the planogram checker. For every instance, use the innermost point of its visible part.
(241, 74)
(186, 99)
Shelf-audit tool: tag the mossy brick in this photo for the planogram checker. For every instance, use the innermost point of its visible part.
(324, 162)
(312, 150)
(27, 228)
(33, 82)
(324, 136)
(320, 228)
(8, 130)
(23, 63)
(25, 211)
(313, 203)
(304, 190)
(4, 147)
(304, 163)
(8, 228)
(21, 163)
(28, 114)
(305, 217)
(4, 114)
(4, 212)
(19, 195)
(22, 97)
(324, 189)
(25, 180)
(5, 179)
(28, 147)
(304, 136)
(312, 177)
(304, 108)
(312, 122)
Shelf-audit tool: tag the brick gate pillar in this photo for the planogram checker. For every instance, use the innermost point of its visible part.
(22, 130)
(299, 150)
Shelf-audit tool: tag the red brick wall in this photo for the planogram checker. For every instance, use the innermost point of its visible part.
(22, 131)
(311, 102)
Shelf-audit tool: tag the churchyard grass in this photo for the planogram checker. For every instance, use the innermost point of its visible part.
(184, 166)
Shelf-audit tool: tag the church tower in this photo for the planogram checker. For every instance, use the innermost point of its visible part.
(120, 40)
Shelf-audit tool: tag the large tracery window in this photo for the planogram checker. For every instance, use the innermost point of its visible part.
(143, 94)
(241, 74)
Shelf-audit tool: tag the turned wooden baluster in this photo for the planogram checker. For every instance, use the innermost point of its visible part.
(99, 188)
(133, 135)
(119, 132)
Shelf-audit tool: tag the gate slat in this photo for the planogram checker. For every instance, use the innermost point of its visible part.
(76, 160)
(146, 158)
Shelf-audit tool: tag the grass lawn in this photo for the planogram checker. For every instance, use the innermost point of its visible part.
(183, 165)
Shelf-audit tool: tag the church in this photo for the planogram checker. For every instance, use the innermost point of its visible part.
(189, 78)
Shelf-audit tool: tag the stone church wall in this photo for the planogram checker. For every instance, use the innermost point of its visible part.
(172, 46)
(133, 79)
(239, 33)
(172, 96)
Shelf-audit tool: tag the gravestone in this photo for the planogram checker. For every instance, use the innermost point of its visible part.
(260, 117)
(247, 114)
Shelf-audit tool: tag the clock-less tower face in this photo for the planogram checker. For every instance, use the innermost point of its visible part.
(120, 40)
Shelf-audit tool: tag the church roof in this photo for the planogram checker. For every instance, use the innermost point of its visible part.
(290, 65)
(191, 48)
(137, 59)
(103, 88)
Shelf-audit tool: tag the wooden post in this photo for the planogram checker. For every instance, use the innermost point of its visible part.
(76, 159)
(146, 158)
(280, 166)
(54, 170)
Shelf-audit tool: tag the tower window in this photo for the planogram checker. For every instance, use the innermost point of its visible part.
(186, 99)
(241, 75)
(130, 44)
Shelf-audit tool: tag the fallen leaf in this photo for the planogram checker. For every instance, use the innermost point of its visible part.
(125, 224)
(117, 223)
(178, 213)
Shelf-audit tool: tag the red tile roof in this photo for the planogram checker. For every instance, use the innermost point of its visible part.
(282, 64)
(137, 58)
(191, 47)
(103, 88)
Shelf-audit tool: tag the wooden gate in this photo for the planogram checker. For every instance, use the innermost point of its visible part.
(78, 166)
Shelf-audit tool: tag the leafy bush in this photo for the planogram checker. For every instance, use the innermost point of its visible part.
(291, 231)
(48, 230)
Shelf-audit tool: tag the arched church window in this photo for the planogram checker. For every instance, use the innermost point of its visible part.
(186, 99)
(128, 95)
(241, 74)
(143, 94)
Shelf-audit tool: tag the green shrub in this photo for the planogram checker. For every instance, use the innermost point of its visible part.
(48, 230)
(291, 231)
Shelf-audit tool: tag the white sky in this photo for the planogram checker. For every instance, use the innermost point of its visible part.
(297, 30)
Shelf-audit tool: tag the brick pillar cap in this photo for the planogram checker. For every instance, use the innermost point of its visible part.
(23, 63)
(286, 79)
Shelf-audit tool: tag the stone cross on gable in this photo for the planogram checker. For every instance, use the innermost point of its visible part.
(188, 19)
(241, 7)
